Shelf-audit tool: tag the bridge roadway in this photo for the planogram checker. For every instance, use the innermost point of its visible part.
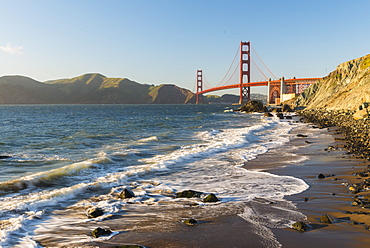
(296, 81)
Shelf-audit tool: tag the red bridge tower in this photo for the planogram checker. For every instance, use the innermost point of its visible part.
(199, 98)
(245, 72)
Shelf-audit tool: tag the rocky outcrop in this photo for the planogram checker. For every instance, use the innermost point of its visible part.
(252, 106)
(345, 88)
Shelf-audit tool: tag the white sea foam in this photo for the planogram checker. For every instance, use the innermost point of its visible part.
(151, 138)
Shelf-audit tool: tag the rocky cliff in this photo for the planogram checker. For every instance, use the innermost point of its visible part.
(348, 87)
(89, 89)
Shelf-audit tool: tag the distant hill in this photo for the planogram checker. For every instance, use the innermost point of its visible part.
(91, 88)
(230, 98)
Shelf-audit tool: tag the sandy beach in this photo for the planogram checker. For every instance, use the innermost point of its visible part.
(325, 196)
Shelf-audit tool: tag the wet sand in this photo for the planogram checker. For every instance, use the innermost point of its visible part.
(325, 196)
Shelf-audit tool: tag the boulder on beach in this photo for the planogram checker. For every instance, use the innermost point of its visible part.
(286, 108)
(321, 176)
(96, 233)
(188, 194)
(302, 135)
(360, 114)
(94, 212)
(211, 198)
(327, 218)
(253, 106)
(280, 115)
(300, 226)
(126, 193)
(190, 222)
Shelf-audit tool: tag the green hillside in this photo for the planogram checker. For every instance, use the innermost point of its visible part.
(92, 88)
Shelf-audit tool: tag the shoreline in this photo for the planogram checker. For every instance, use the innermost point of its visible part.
(328, 195)
(325, 196)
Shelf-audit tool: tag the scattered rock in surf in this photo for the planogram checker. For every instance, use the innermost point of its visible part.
(301, 135)
(307, 142)
(190, 222)
(94, 212)
(268, 114)
(306, 199)
(4, 157)
(211, 198)
(96, 233)
(327, 218)
(321, 176)
(288, 117)
(361, 174)
(188, 194)
(300, 226)
(126, 193)
(280, 115)
(286, 108)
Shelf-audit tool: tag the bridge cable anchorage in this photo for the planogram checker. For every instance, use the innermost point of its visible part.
(263, 62)
(232, 63)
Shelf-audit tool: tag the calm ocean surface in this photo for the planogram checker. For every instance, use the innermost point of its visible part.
(67, 158)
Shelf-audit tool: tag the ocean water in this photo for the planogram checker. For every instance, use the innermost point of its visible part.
(65, 159)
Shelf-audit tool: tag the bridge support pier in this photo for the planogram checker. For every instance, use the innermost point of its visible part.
(282, 88)
(268, 90)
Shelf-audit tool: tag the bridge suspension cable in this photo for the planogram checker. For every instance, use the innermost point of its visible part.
(262, 63)
(231, 65)
(207, 84)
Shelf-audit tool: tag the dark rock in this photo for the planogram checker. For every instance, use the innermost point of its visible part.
(306, 199)
(190, 222)
(288, 117)
(188, 194)
(252, 106)
(94, 212)
(320, 176)
(286, 108)
(327, 218)
(211, 198)
(276, 110)
(301, 135)
(300, 226)
(126, 193)
(280, 116)
(4, 157)
(100, 232)
(268, 114)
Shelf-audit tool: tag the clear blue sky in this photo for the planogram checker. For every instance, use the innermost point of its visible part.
(166, 41)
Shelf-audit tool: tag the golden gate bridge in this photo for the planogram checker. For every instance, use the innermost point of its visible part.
(239, 75)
